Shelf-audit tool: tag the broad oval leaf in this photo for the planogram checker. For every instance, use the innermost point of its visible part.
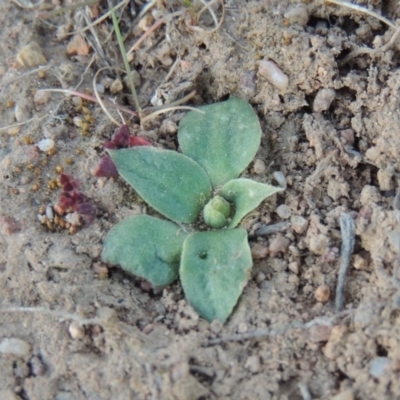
(214, 269)
(223, 140)
(246, 195)
(147, 247)
(170, 182)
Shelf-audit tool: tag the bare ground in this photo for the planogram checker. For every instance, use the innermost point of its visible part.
(89, 331)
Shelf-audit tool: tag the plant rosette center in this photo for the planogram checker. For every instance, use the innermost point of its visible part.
(217, 145)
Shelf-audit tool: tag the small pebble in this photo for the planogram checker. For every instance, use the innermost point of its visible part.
(77, 101)
(100, 88)
(360, 262)
(46, 144)
(318, 244)
(378, 366)
(323, 99)
(283, 211)
(319, 333)
(73, 219)
(253, 364)
(78, 46)
(294, 267)
(348, 135)
(259, 167)
(280, 178)
(16, 347)
(345, 395)
(322, 293)
(279, 244)
(49, 213)
(260, 277)
(373, 153)
(37, 367)
(297, 15)
(76, 330)
(168, 127)
(41, 97)
(259, 251)
(242, 327)
(273, 74)
(116, 86)
(31, 55)
(22, 111)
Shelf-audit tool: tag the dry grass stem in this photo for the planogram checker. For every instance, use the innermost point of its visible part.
(348, 238)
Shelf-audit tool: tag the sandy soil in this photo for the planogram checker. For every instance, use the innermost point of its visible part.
(73, 328)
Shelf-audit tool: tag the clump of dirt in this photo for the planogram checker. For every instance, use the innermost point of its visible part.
(74, 328)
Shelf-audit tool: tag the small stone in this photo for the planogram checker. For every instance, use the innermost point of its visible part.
(77, 101)
(46, 144)
(369, 195)
(323, 99)
(348, 136)
(373, 153)
(101, 271)
(273, 74)
(283, 211)
(253, 364)
(345, 395)
(259, 167)
(15, 347)
(360, 262)
(259, 251)
(299, 224)
(146, 22)
(76, 330)
(242, 327)
(335, 344)
(322, 293)
(22, 111)
(379, 366)
(280, 178)
(116, 86)
(78, 46)
(294, 267)
(297, 15)
(319, 333)
(41, 97)
(260, 277)
(385, 179)
(14, 130)
(318, 244)
(279, 244)
(168, 127)
(100, 88)
(31, 55)
(37, 367)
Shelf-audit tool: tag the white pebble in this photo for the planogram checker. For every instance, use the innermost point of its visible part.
(379, 366)
(280, 178)
(100, 88)
(323, 100)
(41, 97)
(49, 213)
(283, 211)
(16, 347)
(299, 224)
(259, 167)
(76, 331)
(297, 15)
(273, 74)
(46, 144)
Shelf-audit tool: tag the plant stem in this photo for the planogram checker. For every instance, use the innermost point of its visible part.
(126, 63)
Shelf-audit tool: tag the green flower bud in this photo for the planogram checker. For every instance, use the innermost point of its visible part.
(216, 212)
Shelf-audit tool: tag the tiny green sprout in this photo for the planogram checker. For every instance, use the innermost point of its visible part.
(213, 265)
(216, 212)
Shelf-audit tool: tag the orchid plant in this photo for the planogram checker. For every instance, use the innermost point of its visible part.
(200, 192)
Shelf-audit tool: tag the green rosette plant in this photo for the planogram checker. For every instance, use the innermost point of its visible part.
(201, 182)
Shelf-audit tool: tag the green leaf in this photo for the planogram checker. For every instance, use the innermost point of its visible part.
(170, 182)
(223, 140)
(147, 247)
(214, 269)
(246, 195)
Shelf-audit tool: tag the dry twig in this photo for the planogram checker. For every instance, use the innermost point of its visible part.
(348, 239)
